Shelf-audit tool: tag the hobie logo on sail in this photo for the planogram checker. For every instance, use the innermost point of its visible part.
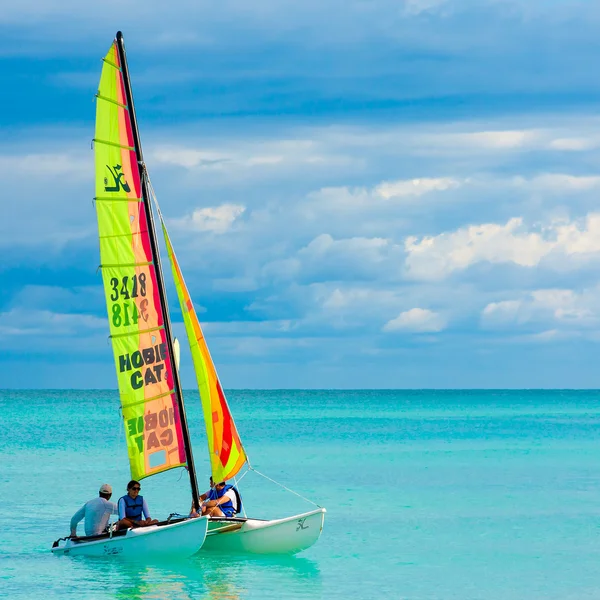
(148, 363)
(155, 426)
(119, 182)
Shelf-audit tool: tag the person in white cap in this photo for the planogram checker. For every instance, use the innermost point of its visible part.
(96, 513)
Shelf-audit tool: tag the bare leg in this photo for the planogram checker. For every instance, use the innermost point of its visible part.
(125, 524)
(214, 511)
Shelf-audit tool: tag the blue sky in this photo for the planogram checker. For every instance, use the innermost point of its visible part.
(361, 194)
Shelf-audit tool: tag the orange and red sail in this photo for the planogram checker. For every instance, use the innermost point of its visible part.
(145, 369)
(227, 455)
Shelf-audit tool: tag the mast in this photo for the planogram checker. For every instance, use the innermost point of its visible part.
(159, 275)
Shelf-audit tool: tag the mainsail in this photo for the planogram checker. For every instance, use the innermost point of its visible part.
(227, 455)
(152, 410)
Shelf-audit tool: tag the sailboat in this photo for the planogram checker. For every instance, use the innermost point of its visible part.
(140, 329)
(147, 355)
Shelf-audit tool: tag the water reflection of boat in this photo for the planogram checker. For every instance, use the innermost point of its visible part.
(210, 577)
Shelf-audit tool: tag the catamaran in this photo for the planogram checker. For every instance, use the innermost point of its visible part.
(146, 354)
(140, 329)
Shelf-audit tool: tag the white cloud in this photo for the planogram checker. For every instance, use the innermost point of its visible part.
(189, 157)
(435, 257)
(572, 144)
(217, 219)
(235, 284)
(498, 139)
(506, 310)
(30, 322)
(414, 187)
(558, 308)
(417, 320)
(49, 165)
(416, 7)
(558, 183)
(327, 259)
(380, 196)
(242, 157)
(365, 248)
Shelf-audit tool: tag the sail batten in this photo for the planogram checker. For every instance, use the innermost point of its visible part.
(115, 144)
(112, 64)
(100, 97)
(119, 265)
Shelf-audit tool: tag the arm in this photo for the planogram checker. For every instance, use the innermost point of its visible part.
(76, 518)
(218, 501)
(121, 508)
(145, 509)
(114, 509)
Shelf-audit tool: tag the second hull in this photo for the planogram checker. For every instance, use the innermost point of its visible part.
(252, 536)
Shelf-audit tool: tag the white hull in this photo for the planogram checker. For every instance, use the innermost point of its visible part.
(176, 540)
(282, 536)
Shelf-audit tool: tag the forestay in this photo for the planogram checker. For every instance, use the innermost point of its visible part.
(136, 314)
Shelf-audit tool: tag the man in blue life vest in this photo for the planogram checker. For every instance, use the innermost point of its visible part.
(222, 500)
(211, 494)
(96, 512)
(133, 510)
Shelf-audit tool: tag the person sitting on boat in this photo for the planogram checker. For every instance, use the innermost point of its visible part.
(227, 503)
(96, 512)
(132, 506)
(211, 494)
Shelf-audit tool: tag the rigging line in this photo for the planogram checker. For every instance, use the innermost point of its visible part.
(242, 477)
(284, 487)
(236, 482)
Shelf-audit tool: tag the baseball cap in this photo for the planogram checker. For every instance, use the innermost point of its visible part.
(105, 489)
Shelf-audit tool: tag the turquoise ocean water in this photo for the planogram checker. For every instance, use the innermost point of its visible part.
(430, 494)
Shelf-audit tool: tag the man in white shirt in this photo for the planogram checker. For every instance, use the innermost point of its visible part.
(96, 512)
(225, 501)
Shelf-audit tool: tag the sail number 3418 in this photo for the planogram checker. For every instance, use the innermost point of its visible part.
(126, 313)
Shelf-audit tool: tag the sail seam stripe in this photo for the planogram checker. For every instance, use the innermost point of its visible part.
(97, 141)
(112, 101)
(138, 332)
(112, 64)
(118, 199)
(148, 399)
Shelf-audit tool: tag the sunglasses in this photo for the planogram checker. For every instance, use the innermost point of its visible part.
(137, 489)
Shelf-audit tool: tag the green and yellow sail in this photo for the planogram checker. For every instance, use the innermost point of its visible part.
(145, 370)
(227, 455)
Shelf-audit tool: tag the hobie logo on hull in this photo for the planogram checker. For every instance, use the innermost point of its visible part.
(119, 183)
(301, 524)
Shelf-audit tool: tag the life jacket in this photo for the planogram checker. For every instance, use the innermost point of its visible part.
(227, 507)
(133, 508)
